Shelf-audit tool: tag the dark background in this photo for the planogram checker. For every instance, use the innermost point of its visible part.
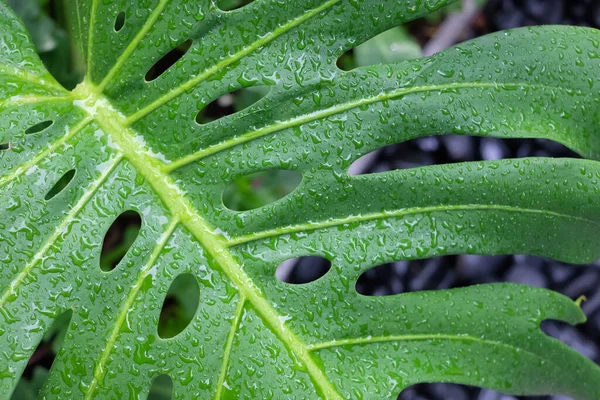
(46, 23)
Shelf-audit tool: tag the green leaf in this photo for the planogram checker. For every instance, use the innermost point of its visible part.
(135, 145)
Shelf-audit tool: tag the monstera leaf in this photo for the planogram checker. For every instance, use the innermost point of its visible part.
(128, 139)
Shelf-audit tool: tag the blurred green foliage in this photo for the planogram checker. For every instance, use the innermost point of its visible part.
(439, 15)
(28, 389)
(180, 306)
(161, 389)
(394, 45)
(111, 255)
(29, 386)
(259, 189)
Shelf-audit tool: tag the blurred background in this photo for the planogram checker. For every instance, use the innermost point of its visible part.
(465, 20)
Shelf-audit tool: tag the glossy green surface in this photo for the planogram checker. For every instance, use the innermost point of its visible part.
(136, 146)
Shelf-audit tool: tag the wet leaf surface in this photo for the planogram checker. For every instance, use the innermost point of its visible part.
(136, 146)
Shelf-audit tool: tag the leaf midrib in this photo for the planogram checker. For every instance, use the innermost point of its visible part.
(114, 124)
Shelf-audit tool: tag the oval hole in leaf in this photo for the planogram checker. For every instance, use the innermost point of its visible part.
(179, 307)
(42, 359)
(118, 239)
(301, 270)
(433, 273)
(259, 189)
(39, 127)
(438, 149)
(4, 146)
(229, 5)
(446, 391)
(231, 103)
(162, 388)
(60, 185)
(168, 60)
(382, 280)
(120, 21)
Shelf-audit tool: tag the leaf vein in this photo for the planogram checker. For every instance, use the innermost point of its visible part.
(312, 226)
(70, 217)
(31, 78)
(125, 308)
(418, 337)
(93, 11)
(40, 156)
(173, 198)
(133, 44)
(337, 109)
(228, 346)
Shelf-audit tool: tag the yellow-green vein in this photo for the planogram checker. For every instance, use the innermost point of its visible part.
(31, 78)
(70, 217)
(181, 208)
(93, 10)
(422, 337)
(228, 345)
(417, 337)
(40, 156)
(337, 109)
(126, 307)
(311, 226)
(18, 100)
(133, 44)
